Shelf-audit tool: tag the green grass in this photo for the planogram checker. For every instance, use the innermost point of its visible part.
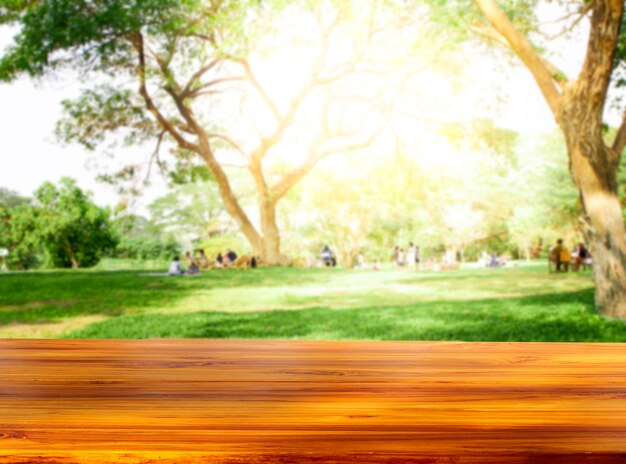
(119, 264)
(517, 304)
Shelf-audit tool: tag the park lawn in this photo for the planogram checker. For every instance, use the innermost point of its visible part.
(523, 303)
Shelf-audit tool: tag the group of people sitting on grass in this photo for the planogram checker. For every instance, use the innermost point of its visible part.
(493, 260)
(200, 262)
(399, 257)
(561, 257)
(409, 258)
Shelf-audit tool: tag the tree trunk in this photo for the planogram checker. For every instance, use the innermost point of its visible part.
(70, 256)
(271, 236)
(593, 164)
(536, 252)
(593, 167)
(231, 203)
(609, 270)
(608, 247)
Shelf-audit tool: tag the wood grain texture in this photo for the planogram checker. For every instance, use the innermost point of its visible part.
(228, 401)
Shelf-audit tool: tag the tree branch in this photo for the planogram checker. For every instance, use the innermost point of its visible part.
(619, 143)
(230, 141)
(524, 50)
(492, 34)
(286, 183)
(155, 156)
(316, 80)
(284, 122)
(198, 74)
(202, 89)
(580, 15)
(143, 90)
(231, 202)
(257, 85)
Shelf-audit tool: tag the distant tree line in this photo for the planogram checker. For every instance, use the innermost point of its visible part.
(141, 239)
(62, 227)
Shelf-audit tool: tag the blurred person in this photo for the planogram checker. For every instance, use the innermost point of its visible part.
(394, 256)
(175, 267)
(560, 256)
(328, 258)
(203, 261)
(411, 254)
(232, 256)
(360, 262)
(226, 259)
(400, 259)
(580, 257)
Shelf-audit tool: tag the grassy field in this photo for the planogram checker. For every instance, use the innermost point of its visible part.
(517, 304)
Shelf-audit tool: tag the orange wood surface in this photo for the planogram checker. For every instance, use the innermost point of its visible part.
(228, 401)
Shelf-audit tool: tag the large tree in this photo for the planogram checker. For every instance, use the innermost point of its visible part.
(578, 105)
(195, 74)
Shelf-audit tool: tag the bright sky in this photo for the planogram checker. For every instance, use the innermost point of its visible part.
(30, 154)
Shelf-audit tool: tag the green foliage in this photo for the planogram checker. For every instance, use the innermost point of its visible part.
(187, 170)
(141, 239)
(73, 230)
(380, 205)
(509, 194)
(134, 225)
(457, 18)
(10, 199)
(19, 235)
(546, 206)
(498, 243)
(102, 110)
(18, 228)
(55, 33)
(192, 210)
(11, 10)
(147, 248)
(485, 136)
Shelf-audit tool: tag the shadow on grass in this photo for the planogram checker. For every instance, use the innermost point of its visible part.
(565, 316)
(488, 274)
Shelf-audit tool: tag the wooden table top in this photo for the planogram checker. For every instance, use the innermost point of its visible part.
(228, 401)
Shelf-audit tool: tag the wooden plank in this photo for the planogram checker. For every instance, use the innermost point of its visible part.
(228, 401)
